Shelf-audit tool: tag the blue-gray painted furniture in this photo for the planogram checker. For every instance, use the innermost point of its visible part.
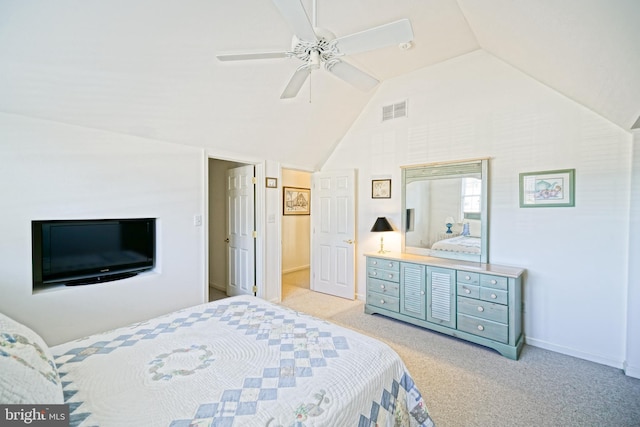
(477, 302)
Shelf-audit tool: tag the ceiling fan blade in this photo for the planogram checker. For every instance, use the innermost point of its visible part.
(257, 55)
(294, 13)
(374, 38)
(296, 82)
(352, 75)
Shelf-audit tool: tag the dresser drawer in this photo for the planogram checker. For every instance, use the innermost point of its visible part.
(470, 291)
(483, 309)
(383, 287)
(495, 282)
(383, 263)
(468, 278)
(484, 328)
(493, 295)
(377, 273)
(383, 301)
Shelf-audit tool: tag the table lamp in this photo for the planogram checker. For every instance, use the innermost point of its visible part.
(381, 225)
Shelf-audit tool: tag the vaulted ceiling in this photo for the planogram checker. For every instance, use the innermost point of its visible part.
(148, 67)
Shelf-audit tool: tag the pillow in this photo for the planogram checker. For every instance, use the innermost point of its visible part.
(475, 228)
(29, 374)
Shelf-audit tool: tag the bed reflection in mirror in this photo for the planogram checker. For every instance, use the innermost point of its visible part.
(445, 212)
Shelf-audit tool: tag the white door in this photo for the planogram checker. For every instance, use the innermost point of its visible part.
(240, 231)
(333, 233)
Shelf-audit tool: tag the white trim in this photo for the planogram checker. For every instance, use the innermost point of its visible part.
(294, 269)
(631, 371)
(574, 353)
(205, 225)
(260, 229)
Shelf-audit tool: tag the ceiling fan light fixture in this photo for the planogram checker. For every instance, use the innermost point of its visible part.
(314, 46)
(314, 60)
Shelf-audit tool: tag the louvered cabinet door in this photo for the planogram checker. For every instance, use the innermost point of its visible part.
(441, 307)
(412, 285)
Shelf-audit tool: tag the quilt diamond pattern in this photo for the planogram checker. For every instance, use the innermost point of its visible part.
(301, 349)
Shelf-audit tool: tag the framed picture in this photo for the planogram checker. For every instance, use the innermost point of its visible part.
(547, 189)
(272, 182)
(296, 201)
(381, 189)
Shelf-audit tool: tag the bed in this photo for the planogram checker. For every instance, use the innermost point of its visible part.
(461, 244)
(468, 242)
(239, 361)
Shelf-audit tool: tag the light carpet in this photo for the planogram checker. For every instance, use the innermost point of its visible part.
(466, 385)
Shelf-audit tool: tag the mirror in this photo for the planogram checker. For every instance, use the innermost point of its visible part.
(445, 210)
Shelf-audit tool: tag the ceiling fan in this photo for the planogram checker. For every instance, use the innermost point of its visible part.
(317, 46)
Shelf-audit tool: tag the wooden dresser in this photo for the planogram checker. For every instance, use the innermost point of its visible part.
(477, 302)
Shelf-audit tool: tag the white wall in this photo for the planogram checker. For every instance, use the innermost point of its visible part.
(296, 238)
(55, 171)
(269, 256)
(477, 106)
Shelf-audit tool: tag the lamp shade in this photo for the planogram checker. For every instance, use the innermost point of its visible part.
(381, 224)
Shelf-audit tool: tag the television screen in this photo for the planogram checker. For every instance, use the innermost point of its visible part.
(90, 251)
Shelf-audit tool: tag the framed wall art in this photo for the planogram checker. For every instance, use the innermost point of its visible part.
(547, 189)
(381, 189)
(271, 182)
(296, 201)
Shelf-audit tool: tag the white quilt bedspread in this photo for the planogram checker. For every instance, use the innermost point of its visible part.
(464, 244)
(239, 361)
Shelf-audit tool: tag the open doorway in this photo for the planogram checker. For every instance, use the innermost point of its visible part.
(296, 241)
(218, 261)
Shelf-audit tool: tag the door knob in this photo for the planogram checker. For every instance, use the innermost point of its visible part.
(226, 240)
(349, 241)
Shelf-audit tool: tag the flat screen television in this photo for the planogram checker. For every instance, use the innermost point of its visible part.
(78, 252)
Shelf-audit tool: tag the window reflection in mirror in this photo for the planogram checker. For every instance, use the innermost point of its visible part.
(444, 207)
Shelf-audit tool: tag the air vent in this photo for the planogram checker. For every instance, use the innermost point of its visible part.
(394, 111)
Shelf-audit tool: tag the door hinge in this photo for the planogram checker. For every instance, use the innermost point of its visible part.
(254, 234)
(254, 180)
(255, 289)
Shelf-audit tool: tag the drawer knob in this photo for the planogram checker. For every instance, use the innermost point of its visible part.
(467, 291)
(375, 273)
(480, 308)
(480, 328)
(390, 264)
(381, 301)
(494, 296)
(374, 262)
(381, 286)
(390, 276)
(421, 292)
(494, 281)
(467, 277)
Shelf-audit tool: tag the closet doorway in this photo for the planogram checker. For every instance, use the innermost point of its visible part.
(296, 241)
(219, 275)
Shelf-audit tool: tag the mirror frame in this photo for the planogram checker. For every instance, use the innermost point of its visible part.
(484, 218)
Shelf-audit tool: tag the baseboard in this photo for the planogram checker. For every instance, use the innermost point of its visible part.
(294, 269)
(217, 287)
(631, 371)
(574, 353)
